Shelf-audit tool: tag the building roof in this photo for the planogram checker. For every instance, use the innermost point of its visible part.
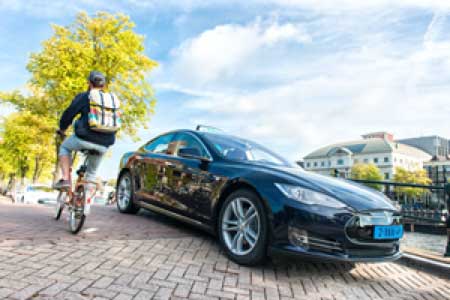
(367, 146)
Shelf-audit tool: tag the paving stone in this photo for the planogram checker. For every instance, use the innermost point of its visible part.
(144, 295)
(54, 289)
(27, 292)
(5, 292)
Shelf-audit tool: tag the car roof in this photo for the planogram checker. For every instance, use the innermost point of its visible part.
(196, 132)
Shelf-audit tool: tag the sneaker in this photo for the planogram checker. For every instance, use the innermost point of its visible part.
(62, 184)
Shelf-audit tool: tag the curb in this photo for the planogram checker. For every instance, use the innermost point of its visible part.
(426, 264)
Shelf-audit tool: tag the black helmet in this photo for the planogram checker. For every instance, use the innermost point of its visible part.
(97, 79)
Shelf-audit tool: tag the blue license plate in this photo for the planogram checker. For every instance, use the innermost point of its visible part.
(388, 232)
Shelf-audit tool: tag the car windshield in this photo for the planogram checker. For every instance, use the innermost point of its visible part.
(238, 149)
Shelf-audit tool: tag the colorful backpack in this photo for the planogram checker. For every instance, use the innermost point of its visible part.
(104, 111)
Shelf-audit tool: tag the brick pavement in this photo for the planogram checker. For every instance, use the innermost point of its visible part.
(172, 263)
(25, 224)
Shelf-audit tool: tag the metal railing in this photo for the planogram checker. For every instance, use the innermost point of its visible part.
(429, 208)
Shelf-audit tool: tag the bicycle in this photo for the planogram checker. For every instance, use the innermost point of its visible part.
(78, 202)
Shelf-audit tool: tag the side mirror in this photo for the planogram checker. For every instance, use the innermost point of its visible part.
(193, 153)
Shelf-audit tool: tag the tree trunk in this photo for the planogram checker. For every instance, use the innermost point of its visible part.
(57, 145)
(36, 169)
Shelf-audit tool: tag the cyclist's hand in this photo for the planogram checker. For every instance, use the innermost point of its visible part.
(61, 133)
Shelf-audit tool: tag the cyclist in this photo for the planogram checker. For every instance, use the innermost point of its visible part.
(84, 138)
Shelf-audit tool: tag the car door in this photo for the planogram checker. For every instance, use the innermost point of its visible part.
(189, 179)
(150, 168)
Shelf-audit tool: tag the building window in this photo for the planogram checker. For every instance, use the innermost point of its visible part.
(375, 160)
(315, 164)
(366, 160)
(386, 175)
(340, 162)
(329, 163)
(322, 164)
(308, 164)
(386, 159)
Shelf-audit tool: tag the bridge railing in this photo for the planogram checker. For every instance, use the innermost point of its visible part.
(430, 207)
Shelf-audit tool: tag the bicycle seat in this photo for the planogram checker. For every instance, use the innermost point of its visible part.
(89, 152)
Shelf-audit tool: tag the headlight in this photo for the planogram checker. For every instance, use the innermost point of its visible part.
(308, 196)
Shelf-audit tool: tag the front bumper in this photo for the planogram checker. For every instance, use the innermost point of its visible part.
(330, 234)
(290, 250)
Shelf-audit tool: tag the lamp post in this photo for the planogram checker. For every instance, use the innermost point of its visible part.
(447, 193)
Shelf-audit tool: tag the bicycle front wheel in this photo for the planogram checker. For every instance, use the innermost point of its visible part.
(60, 203)
(77, 216)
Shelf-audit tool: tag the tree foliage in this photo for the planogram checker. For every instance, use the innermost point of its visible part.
(367, 172)
(27, 143)
(412, 177)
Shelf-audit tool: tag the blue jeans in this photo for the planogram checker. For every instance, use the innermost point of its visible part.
(73, 143)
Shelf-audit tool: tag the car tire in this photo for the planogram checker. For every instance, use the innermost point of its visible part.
(125, 194)
(258, 226)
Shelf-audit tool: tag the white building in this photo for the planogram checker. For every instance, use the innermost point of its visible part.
(378, 148)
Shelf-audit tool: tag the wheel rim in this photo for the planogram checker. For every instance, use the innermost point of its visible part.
(241, 226)
(124, 193)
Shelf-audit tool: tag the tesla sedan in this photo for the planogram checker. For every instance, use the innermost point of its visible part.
(255, 201)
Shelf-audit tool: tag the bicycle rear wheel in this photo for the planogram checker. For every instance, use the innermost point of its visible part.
(77, 216)
(60, 203)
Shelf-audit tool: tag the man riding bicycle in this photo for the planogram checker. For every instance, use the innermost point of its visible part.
(95, 130)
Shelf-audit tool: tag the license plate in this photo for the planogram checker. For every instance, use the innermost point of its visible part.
(388, 232)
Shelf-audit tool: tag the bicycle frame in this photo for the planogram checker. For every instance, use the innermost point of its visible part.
(81, 182)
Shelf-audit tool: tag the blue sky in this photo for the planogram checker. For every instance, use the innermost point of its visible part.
(293, 75)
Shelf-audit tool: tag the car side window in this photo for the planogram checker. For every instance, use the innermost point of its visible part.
(160, 145)
(183, 140)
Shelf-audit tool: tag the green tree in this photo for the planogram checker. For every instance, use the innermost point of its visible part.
(27, 144)
(413, 177)
(367, 172)
(6, 164)
(104, 42)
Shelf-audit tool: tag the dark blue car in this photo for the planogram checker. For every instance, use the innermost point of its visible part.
(255, 201)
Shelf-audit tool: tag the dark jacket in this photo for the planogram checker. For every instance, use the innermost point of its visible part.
(80, 105)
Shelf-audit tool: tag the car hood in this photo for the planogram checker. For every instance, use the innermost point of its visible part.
(356, 196)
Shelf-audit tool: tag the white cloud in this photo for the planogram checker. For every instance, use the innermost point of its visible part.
(381, 81)
(224, 50)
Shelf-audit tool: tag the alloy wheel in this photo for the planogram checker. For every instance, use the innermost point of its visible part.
(241, 226)
(124, 193)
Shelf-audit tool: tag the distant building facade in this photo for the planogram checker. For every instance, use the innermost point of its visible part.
(438, 167)
(378, 148)
(435, 146)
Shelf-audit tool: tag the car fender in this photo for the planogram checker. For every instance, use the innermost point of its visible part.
(244, 183)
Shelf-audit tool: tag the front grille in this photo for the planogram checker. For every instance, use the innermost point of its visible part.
(324, 245)
(304, 239)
